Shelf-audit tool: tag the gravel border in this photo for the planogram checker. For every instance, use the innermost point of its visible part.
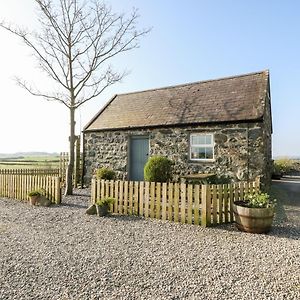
(61, 253)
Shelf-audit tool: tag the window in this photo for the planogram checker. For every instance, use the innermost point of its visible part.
(201, 146)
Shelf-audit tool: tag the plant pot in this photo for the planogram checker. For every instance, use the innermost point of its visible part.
(253, 220)
(33, 200)
(102, 210)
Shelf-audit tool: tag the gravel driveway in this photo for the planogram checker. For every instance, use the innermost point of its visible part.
(288, 191)
(61, 253)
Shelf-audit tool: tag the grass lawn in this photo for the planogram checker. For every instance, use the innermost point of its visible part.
(30, 162)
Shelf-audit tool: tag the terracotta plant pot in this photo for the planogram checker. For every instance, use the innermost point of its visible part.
(253, 220)
(33, 200)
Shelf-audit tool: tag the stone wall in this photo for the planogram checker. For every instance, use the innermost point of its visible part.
(239, 150)
(267, 143)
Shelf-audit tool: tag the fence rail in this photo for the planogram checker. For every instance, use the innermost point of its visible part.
(179, 202)
(18, 186)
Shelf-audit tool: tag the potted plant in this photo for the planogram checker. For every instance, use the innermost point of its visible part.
(37, 197)
(103, 205)
(34, 196)
(254, 213)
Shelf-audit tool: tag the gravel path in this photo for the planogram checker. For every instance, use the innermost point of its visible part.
(61, 253)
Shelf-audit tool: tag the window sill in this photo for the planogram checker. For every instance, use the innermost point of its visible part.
(202, 160)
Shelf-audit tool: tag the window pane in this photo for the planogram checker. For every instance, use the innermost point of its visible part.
(200, 139)
(209, 153)
(198, 153)
(202, 153)
(194, 153)
(208, 139)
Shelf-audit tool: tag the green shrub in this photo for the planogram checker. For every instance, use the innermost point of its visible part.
(38, 192)
(34, 193)
(105, 201)
(158, 169)
(284, 166)
(105, 173)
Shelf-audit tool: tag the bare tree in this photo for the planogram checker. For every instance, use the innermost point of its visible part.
(74, 46)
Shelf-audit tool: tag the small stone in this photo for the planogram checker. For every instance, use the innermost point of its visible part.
(91, 210)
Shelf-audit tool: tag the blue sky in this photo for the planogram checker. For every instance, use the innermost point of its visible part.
(190, 41)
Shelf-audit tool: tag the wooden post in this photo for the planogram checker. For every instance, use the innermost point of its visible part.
(158, 201)
(176, 202)
(164, 201)
(125, 205)
(146, 199)
(136, 198)
(231, 200)
(116, 205)
(170, 201)
(190, 204)
(77, 174)
(130, 202)
(152, 199)
(183, 203)
(206, 206)
(196, 204)
(257, 184)
(226, 203)
(141, 198)
(58, 190)
(93, 191)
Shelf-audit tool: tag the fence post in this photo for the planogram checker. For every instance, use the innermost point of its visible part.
(205, 211)
(93, 191)
(77, 162)
(257, 184)
(57, 190)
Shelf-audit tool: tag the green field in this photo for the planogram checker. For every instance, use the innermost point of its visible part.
(30, 162)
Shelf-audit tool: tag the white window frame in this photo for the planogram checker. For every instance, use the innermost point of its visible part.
(212, 145)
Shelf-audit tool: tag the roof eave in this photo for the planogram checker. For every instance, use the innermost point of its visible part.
(259, 119)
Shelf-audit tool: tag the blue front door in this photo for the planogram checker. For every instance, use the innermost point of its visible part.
(138, 156)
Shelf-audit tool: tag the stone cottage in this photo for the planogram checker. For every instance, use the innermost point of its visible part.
(220, 126)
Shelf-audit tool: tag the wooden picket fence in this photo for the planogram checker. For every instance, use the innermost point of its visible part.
(78, 167)
(179, 202)
(17, 186)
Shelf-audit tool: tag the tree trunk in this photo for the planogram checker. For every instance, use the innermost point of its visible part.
(70, 168)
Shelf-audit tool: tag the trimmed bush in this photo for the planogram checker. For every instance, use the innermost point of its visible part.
(158, 169)
(105, 173)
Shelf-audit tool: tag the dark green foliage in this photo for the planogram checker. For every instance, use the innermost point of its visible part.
(219, 180)
(105, 173)
(102, 206)
(34, 193)
(38, 192)
(158, 169)
(211, 180)
(105, 201)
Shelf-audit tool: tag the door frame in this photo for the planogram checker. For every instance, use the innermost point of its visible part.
(130, 137)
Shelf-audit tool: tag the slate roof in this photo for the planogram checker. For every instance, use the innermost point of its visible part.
(231, 99)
